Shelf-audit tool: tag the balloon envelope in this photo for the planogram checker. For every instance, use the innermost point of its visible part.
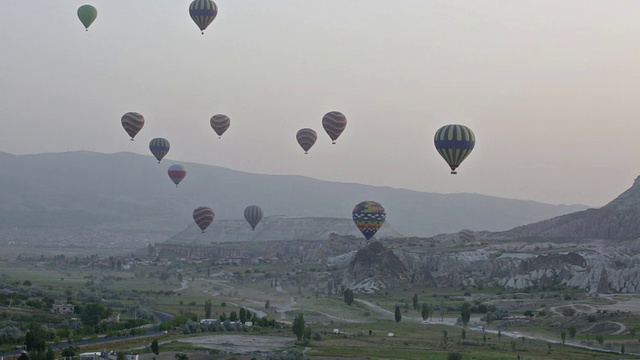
(334, 123)
(454, 143)
(203, 12)
(159, 148)
(203, 216)
(253, 215)
(369, 217)
(220, 123)
(87, 14)
(132, 122)
(177, 173)
(306, 138)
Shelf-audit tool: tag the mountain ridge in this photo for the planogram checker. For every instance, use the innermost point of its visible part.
(128, 192)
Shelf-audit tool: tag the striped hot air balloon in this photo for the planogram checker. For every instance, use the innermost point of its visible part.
(369, 217)
(454, 143)
(220, 123)
(253, 215)
(132, 122)
(159, 148)
(177, 173)
(87, 15)
(203, 216)
(203, 12)
(306, 138)
(334, 123)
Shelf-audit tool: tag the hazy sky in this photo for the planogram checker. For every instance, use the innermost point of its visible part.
(550, 88)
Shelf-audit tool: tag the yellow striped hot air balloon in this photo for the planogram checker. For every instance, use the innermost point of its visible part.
(454, 143)
(203, 12)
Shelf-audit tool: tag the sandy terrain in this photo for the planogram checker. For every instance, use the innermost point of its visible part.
(242, 344)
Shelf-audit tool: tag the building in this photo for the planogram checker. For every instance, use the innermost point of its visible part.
(111, 355)
(64, 309)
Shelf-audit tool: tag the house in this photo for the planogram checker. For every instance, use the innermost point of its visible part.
(111, 355)
(64, 309)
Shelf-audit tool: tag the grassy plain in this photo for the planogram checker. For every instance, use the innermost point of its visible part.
(363, 327)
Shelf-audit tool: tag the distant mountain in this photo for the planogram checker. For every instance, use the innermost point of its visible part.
(131, 194)
(618, 220)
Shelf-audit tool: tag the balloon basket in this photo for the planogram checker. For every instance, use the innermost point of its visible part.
(454, 172)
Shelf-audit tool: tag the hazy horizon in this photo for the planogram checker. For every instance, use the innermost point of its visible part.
(548, 88)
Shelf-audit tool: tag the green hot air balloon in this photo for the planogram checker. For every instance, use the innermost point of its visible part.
(87, 14)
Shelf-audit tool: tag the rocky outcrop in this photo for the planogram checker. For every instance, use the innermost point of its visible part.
(592, 266)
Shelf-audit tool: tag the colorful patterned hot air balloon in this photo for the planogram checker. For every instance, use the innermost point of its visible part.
(454, 143)
(334, 123)
(369, 217)
(306, 138)
(132, 122)
(159, 148)
(203, 12)
(87, 14)
(177, 173)
(203, 216)
(220, 123)
(253, 215)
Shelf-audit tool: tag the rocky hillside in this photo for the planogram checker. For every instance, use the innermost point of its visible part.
(595, 266)
(618, 220)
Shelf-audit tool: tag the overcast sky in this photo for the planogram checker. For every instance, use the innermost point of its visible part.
(550, 88)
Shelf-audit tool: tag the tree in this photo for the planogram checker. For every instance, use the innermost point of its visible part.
(243, 315)
(120, 356)
(69, 352)
(298, 326)
(425, 311)
(348, 296)
(155, 348)
(465, 313)
(416, 305)
(398, 314)
(207, 309)
(50, 355)
(233, 316)
(92, 313)
(181, 356)
(572, 331)
(463, 335)
(35, 338)
(563, 336)
(454, 356)
(266, 305)
(622, 349)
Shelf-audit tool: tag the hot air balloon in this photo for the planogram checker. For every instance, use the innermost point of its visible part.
(159, 148)
(334, 123)
(132, 122)
(87, 14)
(306, 138)
(220, 123)
(176, 173)
(369, 217)
(203, 216)
(203, 12)
(253, 214)
(454, 143)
